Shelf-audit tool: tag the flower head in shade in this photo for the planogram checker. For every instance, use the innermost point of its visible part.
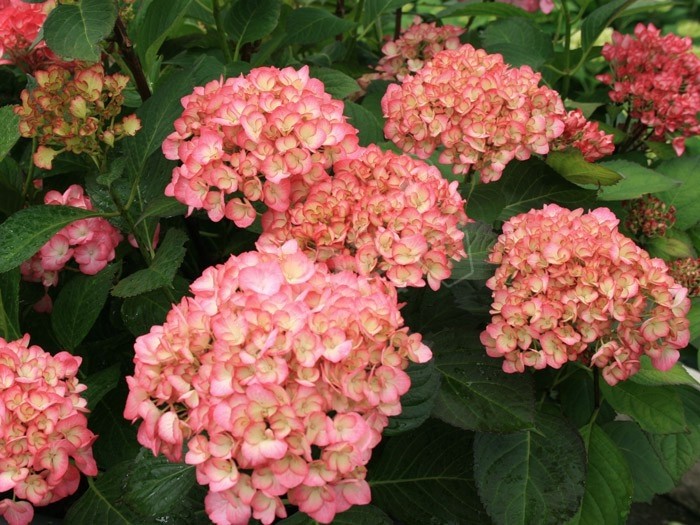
(569, 286)
(279, 376)
(44, 440)
(20, 23)
(260, 137)
(585, 136)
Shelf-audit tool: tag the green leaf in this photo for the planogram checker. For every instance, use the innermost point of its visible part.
(309, 25)
(685, 198)
(146, 310)
(475, 393)
(637, 181)
(251, 20)
(594, 24)
(417, 470)
(531, 476)
(376, 8)
(648, 473)
(417, 403)
(162, 206)
(73, 31)
(675, 244)
(370, 129)
(79, 304)
(11, 184)
(650, 376)
(23, 233)
(9, 305)
(694, 318)
(524, 186)
(9, 130)
(479, 238)
(573, 167)
(356, 515)
(100, 383)
(162, 270)
(483, 9)
(657, 409)
(338, 84)
(520, 41)
(162, 17)
(609, 487)
(117, 437)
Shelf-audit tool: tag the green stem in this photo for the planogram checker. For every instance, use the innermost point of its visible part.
(567, 49)
(223, 42)
(30, 172)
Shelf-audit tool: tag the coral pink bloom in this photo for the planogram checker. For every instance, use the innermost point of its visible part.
(16, 512)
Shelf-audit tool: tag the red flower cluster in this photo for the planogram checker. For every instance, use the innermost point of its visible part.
(687, 273)
(90, 242)
(280, 376)
(481, 112)
(379, 213)
(570, 287)
(268, 135)
(585, 136)
(532, 6)
(20, 23)
(74, 111)
(659, 78)
(649, 216)
(44, 439)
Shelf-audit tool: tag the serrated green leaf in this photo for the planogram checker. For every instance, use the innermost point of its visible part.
(573, 167)
(479, 238)
(520, 41)
(114, 172)
(370, 129)
(685, 198)
(100, 383)
(356, 515)
(417, 403)
(483, 9)
(637, 181)
(609, 487)
(309, 25)
(650, 376)
(694, 318)
(251, 20)
(416, 470)
(117, 437)
(162, 17)
(79, 304)
(675, 244)
(337, 84)
(657, 409)
(9, 130)
(162, 270)
(475, 393)
(73, 31)
(11, 184)
(594, 24)
(23, 233)
(9, 305)
(162, 206)
(376, 8)
(140, 313)
(531, 476)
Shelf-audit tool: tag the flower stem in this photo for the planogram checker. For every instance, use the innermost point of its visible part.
(131, 59)
(223, 42)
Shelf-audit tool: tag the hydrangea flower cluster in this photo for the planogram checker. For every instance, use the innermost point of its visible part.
(20, 23)
(44, 439)
(74, 111)
(480, 111)
(267, 135)
(280, 375)
(585, 136)
(532, 6)
(90, 242)
(659, 78)
(649, 216)
(686, 272)
(380, 212)
(569, 286)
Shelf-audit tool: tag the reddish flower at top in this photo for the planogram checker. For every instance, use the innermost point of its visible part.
(569, 286)
(280, 376)
(380, 212)
(264, 136)
(44, 440)
(585, 136)
(658, 77)
(532, 6)
(20, 23)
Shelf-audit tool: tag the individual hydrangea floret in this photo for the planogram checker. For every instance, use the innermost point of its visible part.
(380, 213)
(585, 136)
(279, 376)
(20, 23)
(74, 111)
(89, 242)
(658, 77)
(479, 112)
(649, 216)
(569, 286)
(44, 440)
(265, 136)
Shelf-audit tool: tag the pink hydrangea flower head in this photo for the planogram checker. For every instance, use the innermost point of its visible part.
(585, 136)
(477, 111)
(20, 23)
(44, 439)
(657, 77)
(380, 213)
(265, 136)
(89, 242)
(273, 356)
(532, 6)
(569, 286)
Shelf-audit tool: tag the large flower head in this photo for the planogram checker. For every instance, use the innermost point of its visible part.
(280, 376)
(658, 77)
(44, 439)
(379, 213)
(479, 112)
(257, 136)
(569, 286)
(20, 23)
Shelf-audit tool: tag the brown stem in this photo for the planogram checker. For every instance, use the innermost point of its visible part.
(397, 24)
(340, 13)
(131, 59)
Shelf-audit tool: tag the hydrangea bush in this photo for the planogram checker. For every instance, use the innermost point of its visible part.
(385, 261)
